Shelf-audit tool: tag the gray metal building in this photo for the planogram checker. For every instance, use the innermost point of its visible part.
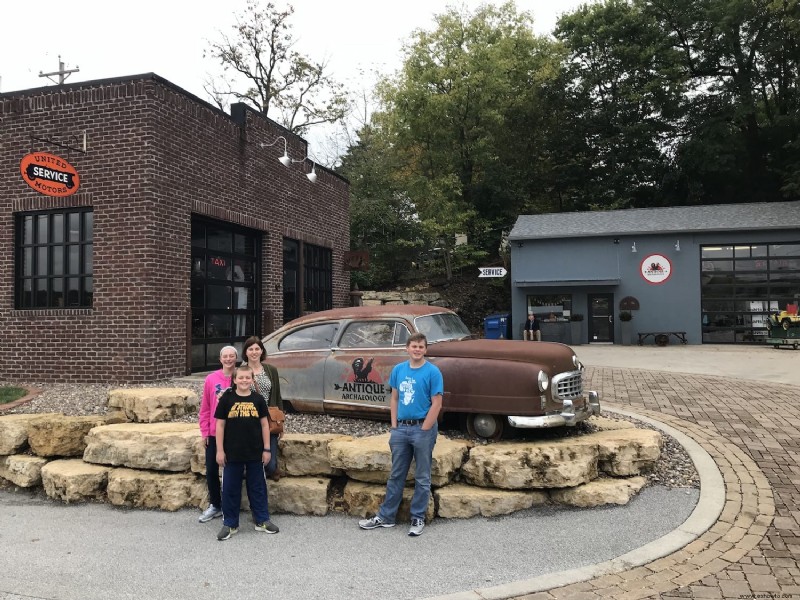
(713, 272)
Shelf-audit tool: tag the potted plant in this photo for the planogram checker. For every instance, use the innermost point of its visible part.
(577, 328)
(626, 327)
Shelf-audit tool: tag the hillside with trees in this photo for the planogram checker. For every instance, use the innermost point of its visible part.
(637, 103)
(629, 103)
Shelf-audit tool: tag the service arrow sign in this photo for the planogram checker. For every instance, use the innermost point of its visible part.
(492, 272)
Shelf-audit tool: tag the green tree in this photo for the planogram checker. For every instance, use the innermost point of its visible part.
(261, 68)
(447, 114)
(623, 91)
(740, 58)
(383, 218)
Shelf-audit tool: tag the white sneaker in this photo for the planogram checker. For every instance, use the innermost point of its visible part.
(417, 525)
(374, 523)
(212, 512)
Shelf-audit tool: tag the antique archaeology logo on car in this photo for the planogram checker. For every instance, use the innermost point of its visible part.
(362, 385)
(656, 269)
(49, 174)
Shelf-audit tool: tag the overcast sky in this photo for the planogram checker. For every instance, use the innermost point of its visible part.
(167, 37)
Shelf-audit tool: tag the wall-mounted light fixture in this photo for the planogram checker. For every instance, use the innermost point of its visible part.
(633, 247)
(616, 240)
(677, 246)
(520, 244)
(285, 160)
(312, 176)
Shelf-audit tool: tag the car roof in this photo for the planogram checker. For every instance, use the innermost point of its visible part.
(405, 311)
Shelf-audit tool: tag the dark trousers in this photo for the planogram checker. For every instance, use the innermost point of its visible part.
(252, 472)
(272, 465)
(212, 473)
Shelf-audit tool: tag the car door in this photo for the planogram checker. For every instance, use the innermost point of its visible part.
(300, 361)
(358, 368)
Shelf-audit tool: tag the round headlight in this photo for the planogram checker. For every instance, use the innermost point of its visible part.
(544, 381)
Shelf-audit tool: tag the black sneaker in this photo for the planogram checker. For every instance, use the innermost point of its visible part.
(267, 527)
(226, 532)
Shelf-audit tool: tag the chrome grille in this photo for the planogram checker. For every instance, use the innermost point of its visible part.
(568, 386)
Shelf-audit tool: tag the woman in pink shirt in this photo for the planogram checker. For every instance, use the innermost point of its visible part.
(216, 383)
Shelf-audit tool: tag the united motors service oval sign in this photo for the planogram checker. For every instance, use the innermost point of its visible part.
(656, 269)
(49, 174)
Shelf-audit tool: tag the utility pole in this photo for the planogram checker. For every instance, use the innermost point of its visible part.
(62, 72)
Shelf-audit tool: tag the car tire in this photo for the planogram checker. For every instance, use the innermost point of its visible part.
(484, 426)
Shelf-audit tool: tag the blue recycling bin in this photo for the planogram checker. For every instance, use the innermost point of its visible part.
(497, 327)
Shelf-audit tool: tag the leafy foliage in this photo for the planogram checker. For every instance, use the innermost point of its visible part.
(631, 103)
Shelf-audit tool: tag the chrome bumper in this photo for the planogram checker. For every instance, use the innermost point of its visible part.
(569, 415)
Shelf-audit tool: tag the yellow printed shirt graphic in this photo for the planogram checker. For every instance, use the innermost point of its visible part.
(243, 409)
(242, 415)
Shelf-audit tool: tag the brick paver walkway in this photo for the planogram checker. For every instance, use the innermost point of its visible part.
(752, 431)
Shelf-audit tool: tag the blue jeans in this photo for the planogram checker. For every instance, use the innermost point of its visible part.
(407, 442)
(232, 474)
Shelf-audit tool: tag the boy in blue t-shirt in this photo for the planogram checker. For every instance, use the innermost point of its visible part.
(417, 389)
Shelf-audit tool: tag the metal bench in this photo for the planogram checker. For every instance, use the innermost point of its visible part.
(661, 338)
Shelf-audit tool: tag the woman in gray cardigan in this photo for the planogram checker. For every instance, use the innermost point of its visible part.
(267, 383)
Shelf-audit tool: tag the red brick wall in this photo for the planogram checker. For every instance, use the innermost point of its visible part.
(155, 156)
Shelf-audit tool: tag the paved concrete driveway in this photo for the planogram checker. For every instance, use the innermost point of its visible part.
(722, 398)
(767, 364)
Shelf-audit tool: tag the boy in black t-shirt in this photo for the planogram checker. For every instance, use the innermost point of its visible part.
(243, 448)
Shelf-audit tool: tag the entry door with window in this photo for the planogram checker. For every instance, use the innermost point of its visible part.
(601, 318)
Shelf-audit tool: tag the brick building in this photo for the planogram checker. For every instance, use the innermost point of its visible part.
(185, 233)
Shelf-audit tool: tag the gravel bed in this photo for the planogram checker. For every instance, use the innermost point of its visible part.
(674, 468)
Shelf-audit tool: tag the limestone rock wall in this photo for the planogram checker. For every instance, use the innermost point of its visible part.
(22, 469)
(369, 298)
(162, 464)
(59, 435)
(153, 405)
(14, 431)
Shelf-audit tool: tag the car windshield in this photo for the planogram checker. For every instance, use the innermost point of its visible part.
(442, 327)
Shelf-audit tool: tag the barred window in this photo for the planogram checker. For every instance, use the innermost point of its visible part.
(54, 259)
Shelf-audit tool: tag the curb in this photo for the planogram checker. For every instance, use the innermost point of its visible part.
(673, 550)
(32, 393)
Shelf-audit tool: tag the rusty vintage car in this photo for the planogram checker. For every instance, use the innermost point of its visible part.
(339, 361)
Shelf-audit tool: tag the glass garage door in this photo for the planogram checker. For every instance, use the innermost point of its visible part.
(742, 285)
(225, 289)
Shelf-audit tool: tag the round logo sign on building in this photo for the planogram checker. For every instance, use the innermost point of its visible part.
(49, 174)
(656, 269)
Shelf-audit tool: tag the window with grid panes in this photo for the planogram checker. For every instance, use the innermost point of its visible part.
(54, 260)
(742, 284)
(317, 277)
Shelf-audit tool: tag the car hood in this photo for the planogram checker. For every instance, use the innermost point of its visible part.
(535, 352)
